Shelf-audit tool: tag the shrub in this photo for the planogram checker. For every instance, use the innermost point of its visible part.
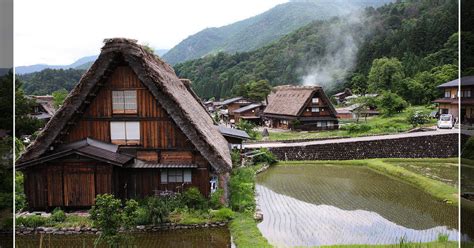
(193, 198)
(265, 156)
(416, 118)
(390, 103)
(242, 186)
(235, 156)
(248, 127)
(142, 216)
(106, 214)
(356, 128)
(159, 208)
(215, 201)
(129, 213)
(20, 198)
(223, 214)
(58, 215)
(32, 221)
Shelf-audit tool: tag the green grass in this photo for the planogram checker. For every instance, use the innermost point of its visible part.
(435, 188)
(74, 221)
(378, 125)
(245, 232)
(436, 244)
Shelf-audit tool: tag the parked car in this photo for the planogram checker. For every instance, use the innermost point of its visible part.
(446, 121)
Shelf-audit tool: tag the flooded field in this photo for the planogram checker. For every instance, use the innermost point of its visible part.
(324, 205)
(197, 238)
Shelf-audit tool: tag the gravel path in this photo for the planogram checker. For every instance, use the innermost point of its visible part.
(356, 139)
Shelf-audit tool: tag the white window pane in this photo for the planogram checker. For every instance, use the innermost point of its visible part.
(117, 130)
(133, 130)
(164, 176)
(187, 176)
(118, 100)
(130, 98)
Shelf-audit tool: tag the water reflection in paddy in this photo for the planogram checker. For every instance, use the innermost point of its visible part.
(318, 205)
(198, 238)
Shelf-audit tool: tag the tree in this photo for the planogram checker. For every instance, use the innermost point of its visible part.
(6, 101)
(359, 84)
(258, 90)
(248, 127)
(385, 74)
(24, 124)
(390, 103)
(58, 97)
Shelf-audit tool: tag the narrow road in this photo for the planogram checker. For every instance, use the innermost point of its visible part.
(356, 139)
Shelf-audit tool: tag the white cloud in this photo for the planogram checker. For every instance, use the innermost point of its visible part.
(58, 32)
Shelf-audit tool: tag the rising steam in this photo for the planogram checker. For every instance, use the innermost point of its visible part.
(342, 39)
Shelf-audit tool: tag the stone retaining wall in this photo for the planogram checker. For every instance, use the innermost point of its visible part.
(89, 230)
(434, 146)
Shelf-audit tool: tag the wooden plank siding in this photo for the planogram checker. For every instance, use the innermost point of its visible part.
(74, 182)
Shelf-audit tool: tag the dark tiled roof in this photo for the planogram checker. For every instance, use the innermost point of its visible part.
(89, 148)
(231, 100)
(248, 107)
(465, 81)
(232, 132)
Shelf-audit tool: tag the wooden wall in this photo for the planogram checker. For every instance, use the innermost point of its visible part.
(157, 129)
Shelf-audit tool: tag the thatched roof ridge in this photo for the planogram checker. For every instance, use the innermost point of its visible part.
(290, 100)
(162, 82)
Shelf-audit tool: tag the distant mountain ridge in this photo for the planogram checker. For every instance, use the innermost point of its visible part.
(39, 67)
(81, 64)
(260, 30)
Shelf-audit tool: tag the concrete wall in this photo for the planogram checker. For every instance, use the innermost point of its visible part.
(434, 146)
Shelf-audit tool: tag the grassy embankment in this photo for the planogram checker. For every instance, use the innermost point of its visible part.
(373, 126)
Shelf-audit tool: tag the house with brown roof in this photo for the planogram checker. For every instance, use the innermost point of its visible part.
(43, 108)
(131, 128)
(251, 113)
(300, 108)
(340, 97)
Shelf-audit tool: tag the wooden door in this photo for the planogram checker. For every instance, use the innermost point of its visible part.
(55, 186)
(79, 186)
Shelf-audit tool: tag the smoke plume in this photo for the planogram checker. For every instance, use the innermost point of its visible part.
(342, 38)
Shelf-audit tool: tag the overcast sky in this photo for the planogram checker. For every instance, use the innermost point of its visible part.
(6, 33)
(59, 32)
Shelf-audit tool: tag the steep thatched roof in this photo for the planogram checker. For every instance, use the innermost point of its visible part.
(162, 82)
(290, 100)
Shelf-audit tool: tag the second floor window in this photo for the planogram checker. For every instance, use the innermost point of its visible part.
(124, 101)
(125, 132)
(447, 94)
(315, 100)
(466, 93)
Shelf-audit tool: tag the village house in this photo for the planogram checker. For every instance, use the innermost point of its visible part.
(300, 108)
(251, 113)
(356, 111)
(43, 108)
(233, 104)
(449, 103)
(341, 96)
(131, 128)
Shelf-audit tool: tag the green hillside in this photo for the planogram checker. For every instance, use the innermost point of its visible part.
(49, 80)
(415, 32)
(257, 31)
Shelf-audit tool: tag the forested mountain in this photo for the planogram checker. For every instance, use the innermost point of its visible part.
(49, 80)
(260, 30)
(341, 51)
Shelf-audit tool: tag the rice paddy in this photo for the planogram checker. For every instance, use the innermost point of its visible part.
(312, 205)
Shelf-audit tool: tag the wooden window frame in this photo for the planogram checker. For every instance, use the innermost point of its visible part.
(178, 176)
(125, 141)
(315, 108)
(124, 109)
